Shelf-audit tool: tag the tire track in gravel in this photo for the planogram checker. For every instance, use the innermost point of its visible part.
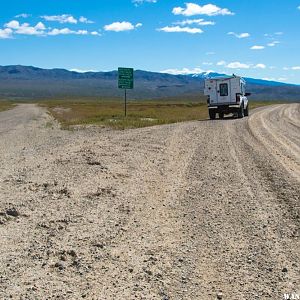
(246, 221)
(277, 204)
(285, 145)
(174, 212)
(159, 226)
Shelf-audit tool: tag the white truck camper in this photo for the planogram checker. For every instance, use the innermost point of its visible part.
(226, 95)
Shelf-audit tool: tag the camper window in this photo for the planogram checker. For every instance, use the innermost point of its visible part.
(223, 89)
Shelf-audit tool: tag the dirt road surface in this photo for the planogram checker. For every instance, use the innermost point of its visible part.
(196, 210)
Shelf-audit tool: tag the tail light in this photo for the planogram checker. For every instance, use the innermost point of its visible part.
(238, 98)
(208, 99)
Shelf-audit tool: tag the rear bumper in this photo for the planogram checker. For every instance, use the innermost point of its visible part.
(226, 109)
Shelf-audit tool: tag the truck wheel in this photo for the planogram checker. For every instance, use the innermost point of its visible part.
(246, 111)
(221, 115)
(212, 114)
(241, 111)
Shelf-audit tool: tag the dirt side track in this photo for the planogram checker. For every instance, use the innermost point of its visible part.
(195, 210)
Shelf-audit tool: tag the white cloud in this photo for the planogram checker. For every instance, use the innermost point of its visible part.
(232, 65)
(40, 26)
(193, 9)
(82, 32)
(271, 35)
(23, 16)
(240, 35)
(200, 22)
(85, 20)
(13, 24)
(65, 18)
(257, 47)
(56, 31)
(29, 30)
(61, 19)
(67, 31)
(25, 28)
(180, 29)
(273, 44)
(210, 53)
(82, 71)
(140, 2)
(237, 65)
(260, 66)
(275, 79)
(269, 79)
(221, 63)
(184, 71)
(14, 27)
(95, 33)
(295, 68)
(121, 26)
(207, 63)
(6, 33)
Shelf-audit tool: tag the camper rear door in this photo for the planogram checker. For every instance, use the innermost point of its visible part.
(224, 91)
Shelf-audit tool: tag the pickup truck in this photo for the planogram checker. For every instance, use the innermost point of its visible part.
(226, 95)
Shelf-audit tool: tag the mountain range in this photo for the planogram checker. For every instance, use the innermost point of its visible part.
(26, 82)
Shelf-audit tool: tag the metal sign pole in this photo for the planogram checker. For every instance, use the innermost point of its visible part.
(125, 102)
(125, 82)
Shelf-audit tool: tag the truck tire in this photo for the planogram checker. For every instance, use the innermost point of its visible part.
(221, 115)
(246, 111)
(212, 114)
(241, 111)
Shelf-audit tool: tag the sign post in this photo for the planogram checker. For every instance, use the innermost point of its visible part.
(125, 82)
(125, 108)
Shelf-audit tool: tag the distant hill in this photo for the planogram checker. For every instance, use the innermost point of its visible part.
(26, 82)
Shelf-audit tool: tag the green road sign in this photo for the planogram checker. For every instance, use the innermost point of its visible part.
(125, 76)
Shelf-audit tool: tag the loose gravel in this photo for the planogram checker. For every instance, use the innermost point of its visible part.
(196, 210)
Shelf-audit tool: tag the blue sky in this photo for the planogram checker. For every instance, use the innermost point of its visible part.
(255, 38)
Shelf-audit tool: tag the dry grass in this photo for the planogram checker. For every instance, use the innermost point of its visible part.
(4, 105)
(256, 104)
(139, 114)
(110, 113)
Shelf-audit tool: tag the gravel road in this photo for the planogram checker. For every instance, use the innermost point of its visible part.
(196, 210)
